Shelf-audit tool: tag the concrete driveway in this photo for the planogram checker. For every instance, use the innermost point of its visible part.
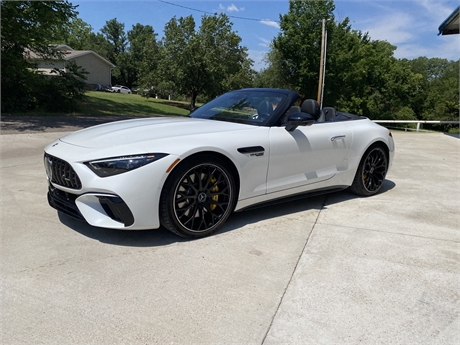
(333, 269)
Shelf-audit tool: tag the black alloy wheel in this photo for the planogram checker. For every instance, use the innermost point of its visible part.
(197, 198)
(371, 172)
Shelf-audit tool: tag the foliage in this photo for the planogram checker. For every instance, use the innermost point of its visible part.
(362, 75)
(274, 75)
(209, 61)
(61, 92)
(26, 27)
(299, 43)
(201, 62)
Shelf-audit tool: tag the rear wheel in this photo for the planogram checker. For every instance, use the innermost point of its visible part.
(371, 172)
(198, 197)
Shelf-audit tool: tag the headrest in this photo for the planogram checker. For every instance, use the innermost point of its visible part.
(311, 107)
(265, 107)
(329, 112)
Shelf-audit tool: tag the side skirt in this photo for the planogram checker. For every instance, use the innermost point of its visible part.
(298, 196)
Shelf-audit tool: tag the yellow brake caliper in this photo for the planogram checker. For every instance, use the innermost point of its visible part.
(215, 197)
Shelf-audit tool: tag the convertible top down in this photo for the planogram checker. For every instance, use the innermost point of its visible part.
(188, 174)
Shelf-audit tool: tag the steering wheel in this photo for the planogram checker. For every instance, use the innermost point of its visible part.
(260, 117)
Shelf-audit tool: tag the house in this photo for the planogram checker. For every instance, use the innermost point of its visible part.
(451, 25)
(99, 69)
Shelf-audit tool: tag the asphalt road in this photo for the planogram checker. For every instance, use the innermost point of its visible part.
(333, 269)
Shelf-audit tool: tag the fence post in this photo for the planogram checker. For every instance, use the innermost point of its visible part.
(418, 127)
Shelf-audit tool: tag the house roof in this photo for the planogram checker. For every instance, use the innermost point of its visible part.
(72, 54)
(69, 54)
(451, 24)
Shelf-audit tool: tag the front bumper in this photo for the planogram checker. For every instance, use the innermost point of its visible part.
(126, 201)
(107, 208)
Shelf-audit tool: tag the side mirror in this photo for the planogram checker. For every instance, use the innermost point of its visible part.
(299, 119)
(193, 109)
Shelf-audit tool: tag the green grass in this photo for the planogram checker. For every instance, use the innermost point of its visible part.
(110, 104)
(106, 103)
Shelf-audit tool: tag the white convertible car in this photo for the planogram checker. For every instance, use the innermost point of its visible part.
(244, 148)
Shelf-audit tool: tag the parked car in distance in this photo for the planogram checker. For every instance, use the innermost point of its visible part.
(100, 87)
(120, 89)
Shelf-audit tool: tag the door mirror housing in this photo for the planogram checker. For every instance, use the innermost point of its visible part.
(299, 119)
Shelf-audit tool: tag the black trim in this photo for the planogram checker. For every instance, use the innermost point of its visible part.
(64, 202)
(298, 196)
(117, 209)
(251, 149)
(114, 206)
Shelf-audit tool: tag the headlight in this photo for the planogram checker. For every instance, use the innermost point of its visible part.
(48, 167)
(118, 165)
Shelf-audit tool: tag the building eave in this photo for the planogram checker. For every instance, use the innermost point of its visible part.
(451, 25)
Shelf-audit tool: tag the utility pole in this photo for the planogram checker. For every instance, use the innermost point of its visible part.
(322, 65)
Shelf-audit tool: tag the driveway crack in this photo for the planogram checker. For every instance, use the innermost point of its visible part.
(294, 270)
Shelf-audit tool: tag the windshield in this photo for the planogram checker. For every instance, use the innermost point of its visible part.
(246, 106)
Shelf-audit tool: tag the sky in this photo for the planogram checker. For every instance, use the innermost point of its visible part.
(410, 25)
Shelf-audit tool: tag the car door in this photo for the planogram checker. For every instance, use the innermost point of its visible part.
(306, 155)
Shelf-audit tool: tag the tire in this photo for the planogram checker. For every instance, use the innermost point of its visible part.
(371, 172)
(198, 197)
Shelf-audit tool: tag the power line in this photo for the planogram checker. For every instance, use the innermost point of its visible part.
(214, 13)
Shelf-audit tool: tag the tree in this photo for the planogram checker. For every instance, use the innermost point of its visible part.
(273, 75)
(79, 35)
(114, 33)
(143, 47)
(76, 34)
(148, 68)
(28, 26)
(226, 62)
(440, 89)
(299, 43)
(209, 61)
(362, 76)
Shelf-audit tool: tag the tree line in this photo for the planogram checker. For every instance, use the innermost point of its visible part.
(362, 75)
(206, 60)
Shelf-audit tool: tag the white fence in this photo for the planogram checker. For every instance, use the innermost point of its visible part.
(417, 122)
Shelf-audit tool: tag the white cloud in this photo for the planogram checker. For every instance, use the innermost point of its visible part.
(231, 8)
(264, 42)
(448, 48)
(396, 28)
(415, 32)
(270, 23)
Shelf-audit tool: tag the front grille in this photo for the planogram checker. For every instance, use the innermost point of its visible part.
(62, 172)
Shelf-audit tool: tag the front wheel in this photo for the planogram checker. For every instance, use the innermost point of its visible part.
(198, 197)
(371, 172)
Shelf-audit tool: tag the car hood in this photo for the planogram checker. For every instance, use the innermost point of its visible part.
(121, 133)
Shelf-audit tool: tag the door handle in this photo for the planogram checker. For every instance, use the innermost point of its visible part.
(338, 137)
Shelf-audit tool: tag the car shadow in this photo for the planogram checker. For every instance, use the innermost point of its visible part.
(163, 237)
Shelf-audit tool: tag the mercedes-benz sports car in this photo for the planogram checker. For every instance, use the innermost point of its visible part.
(188, 174)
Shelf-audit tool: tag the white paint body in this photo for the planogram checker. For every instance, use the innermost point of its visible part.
(306, 159)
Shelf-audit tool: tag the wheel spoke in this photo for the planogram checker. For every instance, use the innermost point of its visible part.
(374, 170)
(202, 198)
